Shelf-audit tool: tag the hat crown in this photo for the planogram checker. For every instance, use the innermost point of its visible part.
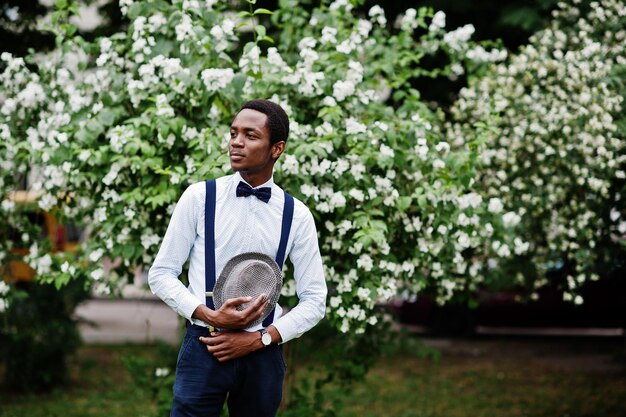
(249, 275)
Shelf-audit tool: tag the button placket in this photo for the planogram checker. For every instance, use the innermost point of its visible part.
(250, 218)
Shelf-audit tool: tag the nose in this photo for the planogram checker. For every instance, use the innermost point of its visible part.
(237, 140)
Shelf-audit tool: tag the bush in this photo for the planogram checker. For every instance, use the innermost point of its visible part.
(557, 155)
(134, 118)
(38, 334)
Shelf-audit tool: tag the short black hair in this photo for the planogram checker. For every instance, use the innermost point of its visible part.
(277, 119)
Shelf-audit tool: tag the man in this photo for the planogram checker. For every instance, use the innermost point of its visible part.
(235, 363)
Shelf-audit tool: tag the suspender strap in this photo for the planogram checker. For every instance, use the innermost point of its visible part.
(285, 229)
(282, 247)
(209, 241)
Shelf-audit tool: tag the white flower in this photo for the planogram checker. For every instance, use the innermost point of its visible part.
(409, 21)
(472, 200)
(335, 301)
(161, 372)
(438, 164)
(337, 4)
(504, 251)
(8, 205)
(343, 89)
(356, 194)
(3, 305)
(365, 262)
(251, 60)
(353, 126)
(185, 28)
(480, 54)
(510, 219)
(112, 174)
(163, 106)
(495, 205)
(457, 39)
(310, 191)
(378, 14)
(520, 246)
(328, 102)
(337, 200)
(329, 35)
(386, 151)
(47, 201)
(442, 147)
(97, 274)
(4, 288)
(124, 5)
(438, 22)
(216, 78)
(96, 255)
(43, 264)
(364, 293)
(274, 58)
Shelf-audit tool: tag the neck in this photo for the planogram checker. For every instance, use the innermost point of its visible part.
(255, 178)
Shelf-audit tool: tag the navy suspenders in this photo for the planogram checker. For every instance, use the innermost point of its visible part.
(209, 242)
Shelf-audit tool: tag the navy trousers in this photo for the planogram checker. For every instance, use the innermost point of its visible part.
(251, 385)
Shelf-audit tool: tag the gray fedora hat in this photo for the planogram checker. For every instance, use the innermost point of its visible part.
(249, 275)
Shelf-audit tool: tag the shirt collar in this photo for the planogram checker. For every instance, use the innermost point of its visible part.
(269, 183)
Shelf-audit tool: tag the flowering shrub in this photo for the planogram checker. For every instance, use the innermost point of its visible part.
(123, 125)
(557, 156)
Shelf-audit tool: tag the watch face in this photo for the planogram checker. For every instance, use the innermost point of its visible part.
(266, 339)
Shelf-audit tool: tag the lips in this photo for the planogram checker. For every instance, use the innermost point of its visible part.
(236, 156)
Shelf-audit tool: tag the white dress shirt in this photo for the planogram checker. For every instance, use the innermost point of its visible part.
(242, 224)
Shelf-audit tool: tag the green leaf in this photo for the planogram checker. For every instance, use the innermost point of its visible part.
(403, 203)
(60, 4)
(107, 116)
(262, 11)
(70, 30)
(260, 31)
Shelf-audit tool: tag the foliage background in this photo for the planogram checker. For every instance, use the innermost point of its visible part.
(405, 204)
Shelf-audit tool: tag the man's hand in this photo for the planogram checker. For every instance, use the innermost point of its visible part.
(230, 345)
(228, 317)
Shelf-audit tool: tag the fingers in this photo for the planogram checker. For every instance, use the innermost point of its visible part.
(243, 300)
(256, 309)
(217, 347)
(234, 302)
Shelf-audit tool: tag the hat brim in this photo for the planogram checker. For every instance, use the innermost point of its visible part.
(219, 291)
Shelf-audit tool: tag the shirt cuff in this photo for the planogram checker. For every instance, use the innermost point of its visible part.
(286, 329)
(187, 306)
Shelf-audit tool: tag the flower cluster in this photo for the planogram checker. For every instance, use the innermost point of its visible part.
(557, 156)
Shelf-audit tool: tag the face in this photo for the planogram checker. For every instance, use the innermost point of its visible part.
(251, 152)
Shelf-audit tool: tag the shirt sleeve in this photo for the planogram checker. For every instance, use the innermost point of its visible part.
(175, 248)
(310, 283)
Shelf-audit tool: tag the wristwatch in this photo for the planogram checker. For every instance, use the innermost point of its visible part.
(266, 338)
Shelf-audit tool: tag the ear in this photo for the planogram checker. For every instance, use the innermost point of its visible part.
(277, 149)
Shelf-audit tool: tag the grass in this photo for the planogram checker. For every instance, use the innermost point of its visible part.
(101, 386)
(499, 380)
(459, 387)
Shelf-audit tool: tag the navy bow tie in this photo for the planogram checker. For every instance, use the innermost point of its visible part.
(263, 193)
